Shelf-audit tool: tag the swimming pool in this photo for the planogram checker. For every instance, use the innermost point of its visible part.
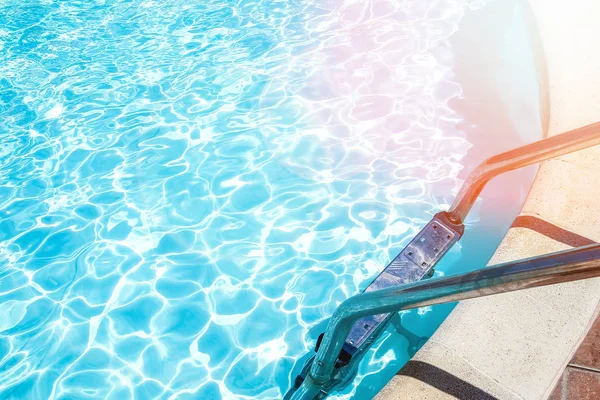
(189, 190)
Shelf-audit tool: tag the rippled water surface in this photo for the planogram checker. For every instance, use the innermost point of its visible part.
(188, 189)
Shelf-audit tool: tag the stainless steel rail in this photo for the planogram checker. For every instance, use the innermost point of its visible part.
(554, 146)
(566, 266)
(391, 291)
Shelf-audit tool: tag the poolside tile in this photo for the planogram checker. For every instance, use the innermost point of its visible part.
(557, 393)
(582, 385)
(588, 354)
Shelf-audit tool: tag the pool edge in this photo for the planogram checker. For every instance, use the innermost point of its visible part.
(517, 345)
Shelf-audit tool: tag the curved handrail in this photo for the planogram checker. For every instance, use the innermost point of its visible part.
(560, 267)
(565, 266)
(542, 150)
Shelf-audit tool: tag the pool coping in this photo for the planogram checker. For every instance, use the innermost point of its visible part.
(517, 345)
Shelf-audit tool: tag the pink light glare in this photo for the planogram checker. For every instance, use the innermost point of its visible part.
(410, 86)
(378, 94)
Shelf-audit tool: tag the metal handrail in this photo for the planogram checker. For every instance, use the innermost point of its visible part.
(386, 295)
(565, 266)
(542, 150)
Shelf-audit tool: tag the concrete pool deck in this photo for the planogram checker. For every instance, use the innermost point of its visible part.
(519, 345)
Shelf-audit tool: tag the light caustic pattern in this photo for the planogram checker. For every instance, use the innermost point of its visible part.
(187, 189)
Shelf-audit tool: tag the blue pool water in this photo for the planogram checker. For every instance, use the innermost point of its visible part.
(189, 189)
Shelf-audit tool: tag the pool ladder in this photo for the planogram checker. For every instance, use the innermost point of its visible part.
(402, 285)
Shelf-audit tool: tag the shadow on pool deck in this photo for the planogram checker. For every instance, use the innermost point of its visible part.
(551, 230)
(443, 380)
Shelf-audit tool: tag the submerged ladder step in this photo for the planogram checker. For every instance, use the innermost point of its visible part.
(360, 319)
(415, 262)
